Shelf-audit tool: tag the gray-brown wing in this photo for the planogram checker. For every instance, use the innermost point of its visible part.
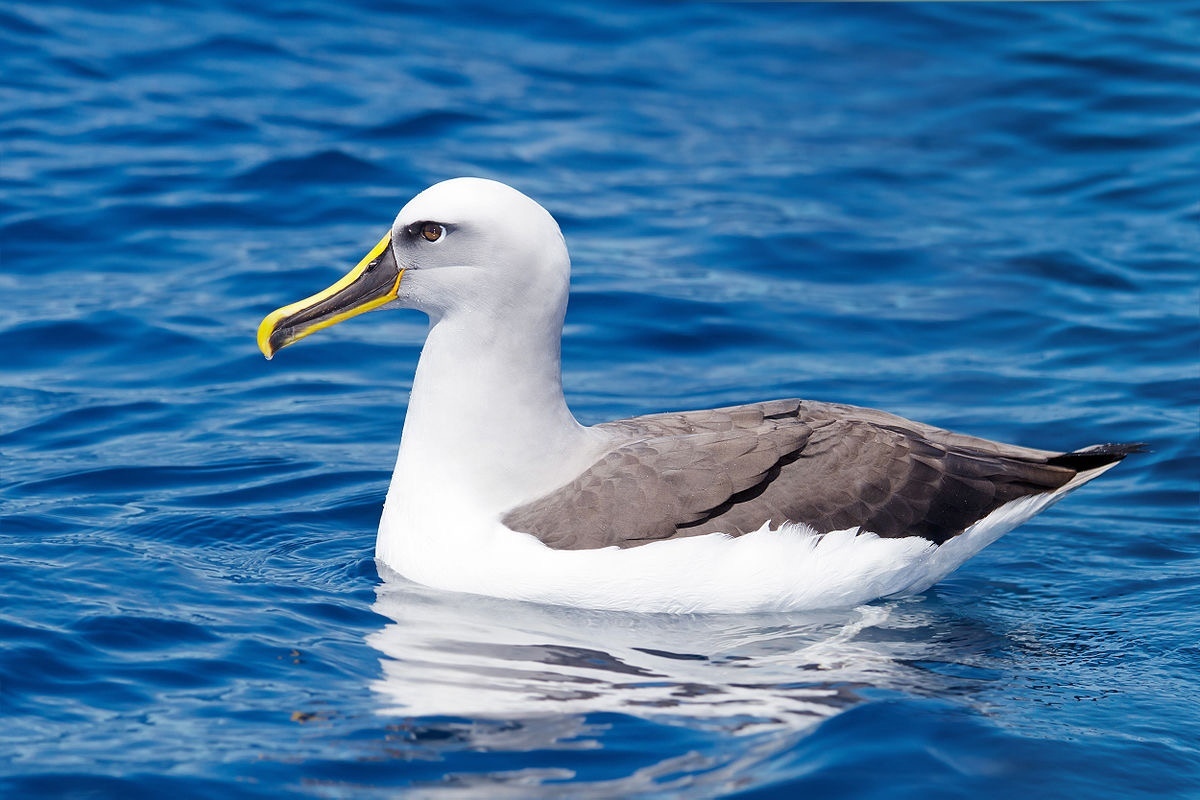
(829, 466)
(668, 472)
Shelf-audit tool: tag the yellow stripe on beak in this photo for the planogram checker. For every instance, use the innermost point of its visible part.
(374, 282)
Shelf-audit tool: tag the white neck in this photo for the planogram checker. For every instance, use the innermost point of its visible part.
(487, 426)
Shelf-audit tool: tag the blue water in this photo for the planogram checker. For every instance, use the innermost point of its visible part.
(982, 216)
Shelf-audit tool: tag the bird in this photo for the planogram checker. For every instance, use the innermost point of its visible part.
(781, 505)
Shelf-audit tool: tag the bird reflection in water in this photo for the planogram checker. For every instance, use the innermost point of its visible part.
(464, 672)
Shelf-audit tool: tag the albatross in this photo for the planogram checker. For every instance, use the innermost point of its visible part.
(778, 505)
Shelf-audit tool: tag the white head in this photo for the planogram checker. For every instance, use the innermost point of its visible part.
(463, 246)
(470, 244)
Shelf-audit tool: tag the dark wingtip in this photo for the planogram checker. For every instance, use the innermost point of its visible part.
(1098, 455)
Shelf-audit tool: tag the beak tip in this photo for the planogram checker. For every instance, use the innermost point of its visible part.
(264, 338)
(268, 349)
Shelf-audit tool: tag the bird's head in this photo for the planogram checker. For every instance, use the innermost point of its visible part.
(466, 245)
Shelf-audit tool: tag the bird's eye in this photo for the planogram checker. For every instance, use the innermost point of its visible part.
(431, 231)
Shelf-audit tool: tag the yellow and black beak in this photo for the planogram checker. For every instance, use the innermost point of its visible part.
(375, 281)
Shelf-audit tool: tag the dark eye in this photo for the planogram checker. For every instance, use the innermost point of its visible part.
(432, 231)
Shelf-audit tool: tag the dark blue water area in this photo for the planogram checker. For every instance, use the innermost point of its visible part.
(983, 216)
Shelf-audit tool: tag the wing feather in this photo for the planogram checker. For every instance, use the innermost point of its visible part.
(832, 467)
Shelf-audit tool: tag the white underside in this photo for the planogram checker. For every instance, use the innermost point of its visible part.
(772, 569)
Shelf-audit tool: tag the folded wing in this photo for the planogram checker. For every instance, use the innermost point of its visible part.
(829, 466)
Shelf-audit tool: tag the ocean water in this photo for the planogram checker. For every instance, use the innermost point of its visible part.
(983, 216)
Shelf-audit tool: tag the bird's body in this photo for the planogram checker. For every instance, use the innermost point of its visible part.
(779, 505)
